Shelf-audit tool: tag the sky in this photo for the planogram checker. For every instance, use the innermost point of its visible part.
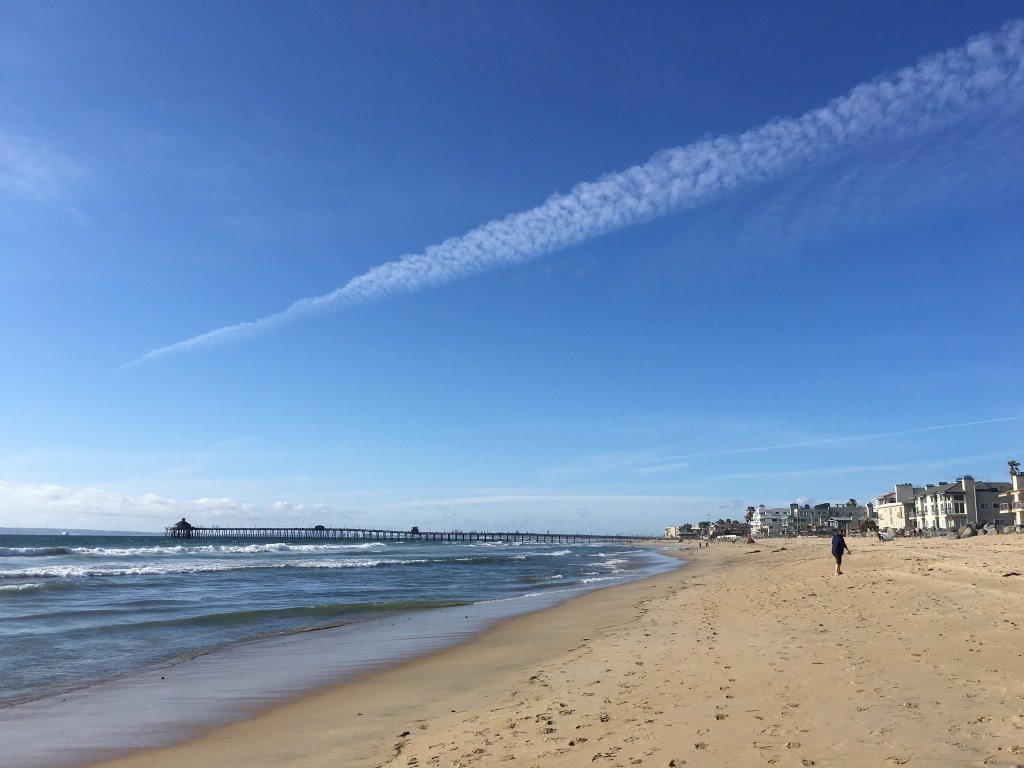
(553, 266)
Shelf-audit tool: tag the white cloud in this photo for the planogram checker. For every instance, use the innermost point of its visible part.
(47, 505)
(661, 469)
(53, 506)
(910, 180)
(985, 74)
(849, 438)
(30, 170)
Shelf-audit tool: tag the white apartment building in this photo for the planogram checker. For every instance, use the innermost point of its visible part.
(949, 506)
(768, 522)
(796, 519)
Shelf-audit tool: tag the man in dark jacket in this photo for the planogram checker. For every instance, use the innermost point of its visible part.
(838, 547)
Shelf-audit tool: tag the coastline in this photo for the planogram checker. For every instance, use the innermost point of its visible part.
(748, 655)
(172, 703)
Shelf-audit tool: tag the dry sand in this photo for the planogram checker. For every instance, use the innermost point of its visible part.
(750, 655)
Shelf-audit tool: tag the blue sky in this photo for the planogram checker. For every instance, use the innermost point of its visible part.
(579, 266)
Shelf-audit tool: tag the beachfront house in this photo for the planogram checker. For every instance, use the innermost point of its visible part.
(797, 519)
(1012, 500)
(729, 528)
(682, 532)
(895, 510)
(768, 522)
(950, 506)
(847, 517)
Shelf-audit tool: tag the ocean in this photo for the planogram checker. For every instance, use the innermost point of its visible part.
(83, 617)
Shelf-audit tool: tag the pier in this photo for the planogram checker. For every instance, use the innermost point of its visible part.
(184, 530)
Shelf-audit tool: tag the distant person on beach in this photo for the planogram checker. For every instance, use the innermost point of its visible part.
(838, 547)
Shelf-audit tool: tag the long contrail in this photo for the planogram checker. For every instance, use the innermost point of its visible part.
(988, 71)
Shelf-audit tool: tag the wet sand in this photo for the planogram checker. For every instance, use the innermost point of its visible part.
(750, 655)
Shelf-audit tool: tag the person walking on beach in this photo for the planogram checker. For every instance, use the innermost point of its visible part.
(838, 547)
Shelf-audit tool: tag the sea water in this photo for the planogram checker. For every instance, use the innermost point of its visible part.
(77, 611)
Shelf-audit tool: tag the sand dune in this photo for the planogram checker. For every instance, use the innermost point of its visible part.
(750, 655)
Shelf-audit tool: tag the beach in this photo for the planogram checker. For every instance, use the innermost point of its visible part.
(749, 655)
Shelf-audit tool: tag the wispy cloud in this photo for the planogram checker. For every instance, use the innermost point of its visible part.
(906, 183)
(911, 468)
(987, 72)
(658, 461)
(30, 170)
(844, 439)
(661, 469)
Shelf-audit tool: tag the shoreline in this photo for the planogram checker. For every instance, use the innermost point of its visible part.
(177, 702)
(379, 700)
(750, 654)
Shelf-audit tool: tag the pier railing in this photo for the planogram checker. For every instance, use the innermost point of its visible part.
(373, 534)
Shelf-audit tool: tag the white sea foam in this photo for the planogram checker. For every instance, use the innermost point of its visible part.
(153, 569)
(220, 549)
(281, 547)
(535, 553)
(31, 551)
(20, 587)
(86, 571)
(597, 579)
(356, 563)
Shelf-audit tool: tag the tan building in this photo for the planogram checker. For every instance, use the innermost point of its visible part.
(949, 506)
(1014, 504)
(896, 510)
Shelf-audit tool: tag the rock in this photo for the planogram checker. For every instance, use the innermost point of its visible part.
(967, 531)
(952, 535)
